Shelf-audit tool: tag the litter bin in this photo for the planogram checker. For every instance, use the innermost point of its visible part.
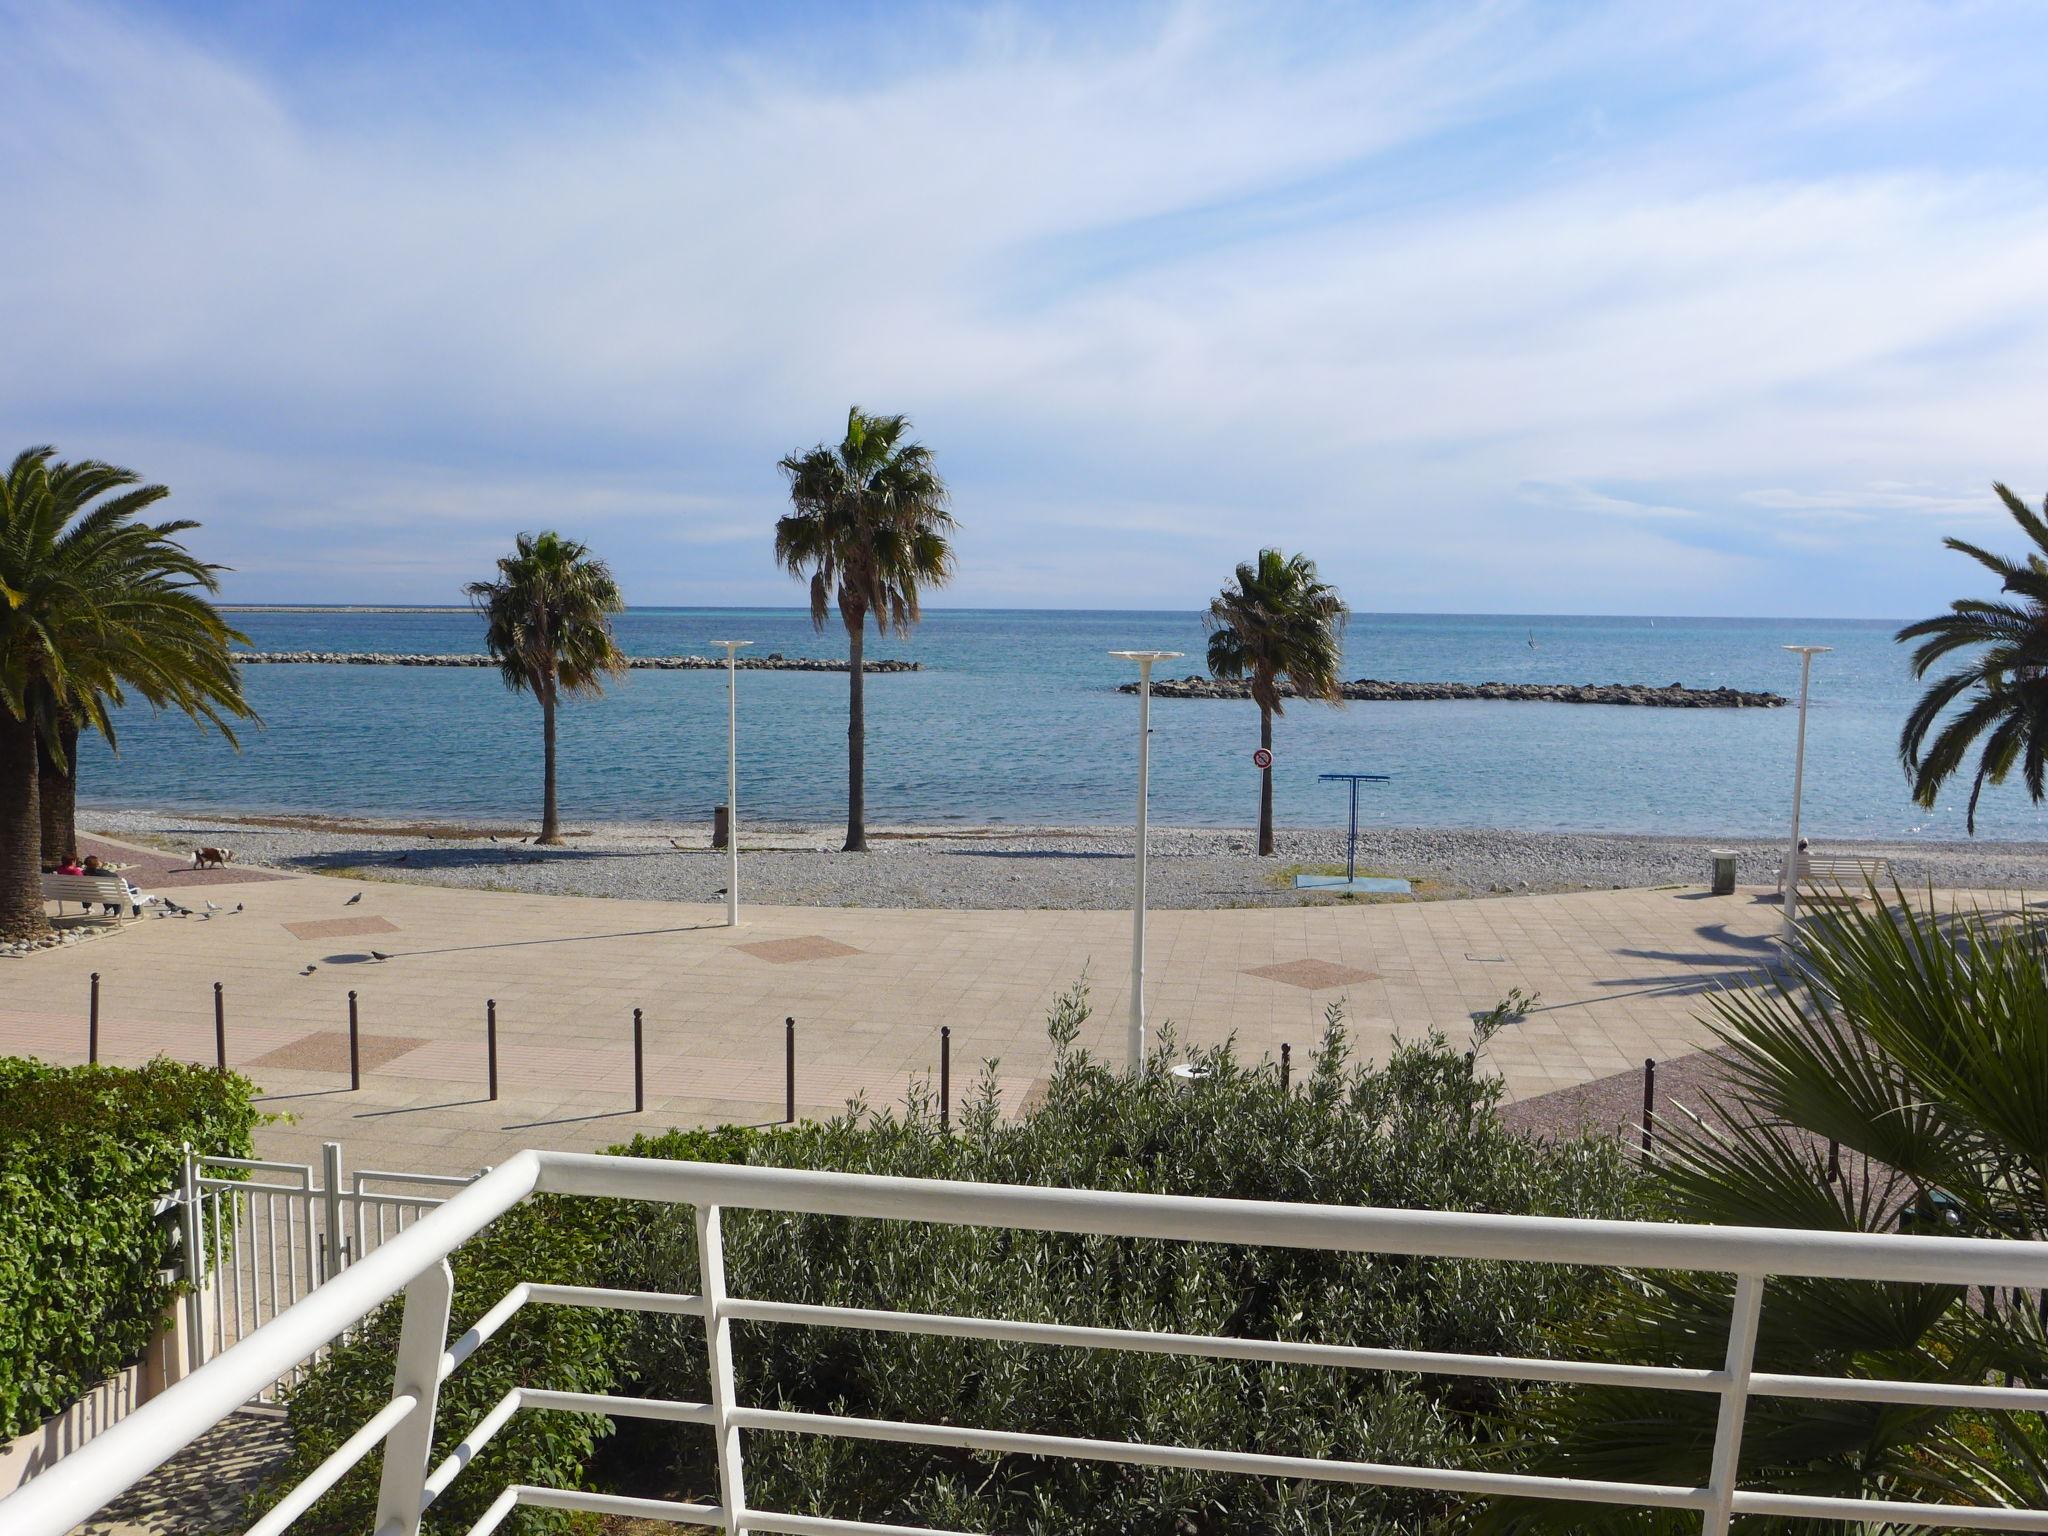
(1724, 871)
(721, 827)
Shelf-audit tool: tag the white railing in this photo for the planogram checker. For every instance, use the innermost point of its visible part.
(260, 1236)
(415, 1261)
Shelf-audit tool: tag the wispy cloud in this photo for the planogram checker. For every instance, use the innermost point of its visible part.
(1158, 285)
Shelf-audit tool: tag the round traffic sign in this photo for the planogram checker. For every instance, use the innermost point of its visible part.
(1261, 758)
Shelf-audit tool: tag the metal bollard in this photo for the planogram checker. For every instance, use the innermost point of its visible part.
(789, 1070)
(639, 1066)
(945, 1077)
(1286, 1064)
(92, 1026)
(220, 1029)
(1649, 1097)
(355, 1048)
(491, 1042)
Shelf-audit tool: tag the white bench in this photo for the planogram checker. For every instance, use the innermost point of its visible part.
(1836, 875)
(87, 891)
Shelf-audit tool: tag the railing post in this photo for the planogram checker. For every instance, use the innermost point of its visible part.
(491, 1042)
(1649, 1097)
(92, 1025)
(422, 1336)
(639, 1065)
(355, 1048)
(718, 1344)
(789, 1070)
(220, 1029)
(1749, 1296)
(330, 1178)
(945, 1077)
(195, 1261)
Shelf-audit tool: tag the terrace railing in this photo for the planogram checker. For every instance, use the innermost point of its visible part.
(415, 1262)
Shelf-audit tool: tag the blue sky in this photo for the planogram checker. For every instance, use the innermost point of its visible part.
(1537, 308)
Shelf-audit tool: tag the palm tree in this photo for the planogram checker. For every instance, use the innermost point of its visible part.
(870, 528)
(94, 604)
(1916, 1042)
(1277, 620)
(2003, 687)
(548, 625)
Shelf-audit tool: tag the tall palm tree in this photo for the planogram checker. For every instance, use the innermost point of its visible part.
(870, 528)
(1277, 620)
(2003, 687)
(1916, 1041)
(548, 625)
(94, 604)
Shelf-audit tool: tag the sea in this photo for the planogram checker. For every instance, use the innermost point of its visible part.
(1015, 719)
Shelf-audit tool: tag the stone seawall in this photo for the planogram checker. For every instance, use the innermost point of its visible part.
(774, 661)
(1371, 690)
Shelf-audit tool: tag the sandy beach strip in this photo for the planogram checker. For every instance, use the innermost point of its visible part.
(983, 868)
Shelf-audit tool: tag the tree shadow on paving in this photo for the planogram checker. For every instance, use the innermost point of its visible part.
(460, 857)
(1033, 853)
(204, 1487)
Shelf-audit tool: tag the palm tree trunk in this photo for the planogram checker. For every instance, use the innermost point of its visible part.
(856, 738)
(21, 895)
(550, 816)
(1265, 785)
(57, 792)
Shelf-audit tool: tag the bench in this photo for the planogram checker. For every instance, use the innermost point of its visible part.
(87, 891)
(1836, 876)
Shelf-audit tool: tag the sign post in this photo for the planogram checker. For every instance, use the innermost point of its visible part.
(732, 779)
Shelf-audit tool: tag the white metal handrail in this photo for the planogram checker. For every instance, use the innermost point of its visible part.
(415, 1261)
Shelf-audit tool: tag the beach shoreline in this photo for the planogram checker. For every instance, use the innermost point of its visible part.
(993, 867)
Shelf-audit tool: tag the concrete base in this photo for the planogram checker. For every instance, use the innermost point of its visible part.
(1371, 885)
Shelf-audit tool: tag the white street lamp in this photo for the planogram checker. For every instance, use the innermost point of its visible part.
(732, 779)
(1806, 653)
(1144, 659)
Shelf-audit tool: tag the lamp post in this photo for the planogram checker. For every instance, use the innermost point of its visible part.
(732, 779)
(1144, 659)
(1806, 653)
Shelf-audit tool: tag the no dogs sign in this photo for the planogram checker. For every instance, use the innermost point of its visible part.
(1261, 758)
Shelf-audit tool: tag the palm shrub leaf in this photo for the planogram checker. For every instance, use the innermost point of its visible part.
(1919, 1042)
(547, 623)
(96, 606)
(869, 528)
(1276, 623)
(1996, 701)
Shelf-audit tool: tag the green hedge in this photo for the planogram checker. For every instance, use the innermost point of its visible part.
(84, 1152)
(1419, 1132)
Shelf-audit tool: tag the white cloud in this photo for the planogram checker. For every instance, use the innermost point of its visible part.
(1157, 290)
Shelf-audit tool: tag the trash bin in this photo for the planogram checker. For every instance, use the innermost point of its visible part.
(721, 823)
(1724, 871)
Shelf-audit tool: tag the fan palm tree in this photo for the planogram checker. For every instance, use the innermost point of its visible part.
(1917, 1042)
(548, 625)
(1277, 621)
(870, 529)
(95, 604)
(2003, 688)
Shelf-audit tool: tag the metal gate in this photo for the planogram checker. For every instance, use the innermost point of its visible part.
(260, 1235)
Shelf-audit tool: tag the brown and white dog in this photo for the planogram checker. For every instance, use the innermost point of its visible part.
(216, 858)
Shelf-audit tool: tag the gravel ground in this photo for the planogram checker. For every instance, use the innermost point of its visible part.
(983, 868)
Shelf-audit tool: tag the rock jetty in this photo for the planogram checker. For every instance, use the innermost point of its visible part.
(774, 661)
(1371, 690)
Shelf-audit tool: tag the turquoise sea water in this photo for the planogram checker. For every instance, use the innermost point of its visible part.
(1014, 719)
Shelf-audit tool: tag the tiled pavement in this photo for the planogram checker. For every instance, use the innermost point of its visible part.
(1620, 975)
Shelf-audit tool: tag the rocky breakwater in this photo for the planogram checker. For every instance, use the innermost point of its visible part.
(1371, 690)
(774, 661)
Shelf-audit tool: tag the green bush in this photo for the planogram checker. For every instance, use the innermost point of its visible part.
(1421, 1132)
(84, 1152)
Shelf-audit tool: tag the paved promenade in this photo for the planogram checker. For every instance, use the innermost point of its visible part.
(1620, 973)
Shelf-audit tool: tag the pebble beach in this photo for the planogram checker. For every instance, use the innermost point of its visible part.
(984, 868)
